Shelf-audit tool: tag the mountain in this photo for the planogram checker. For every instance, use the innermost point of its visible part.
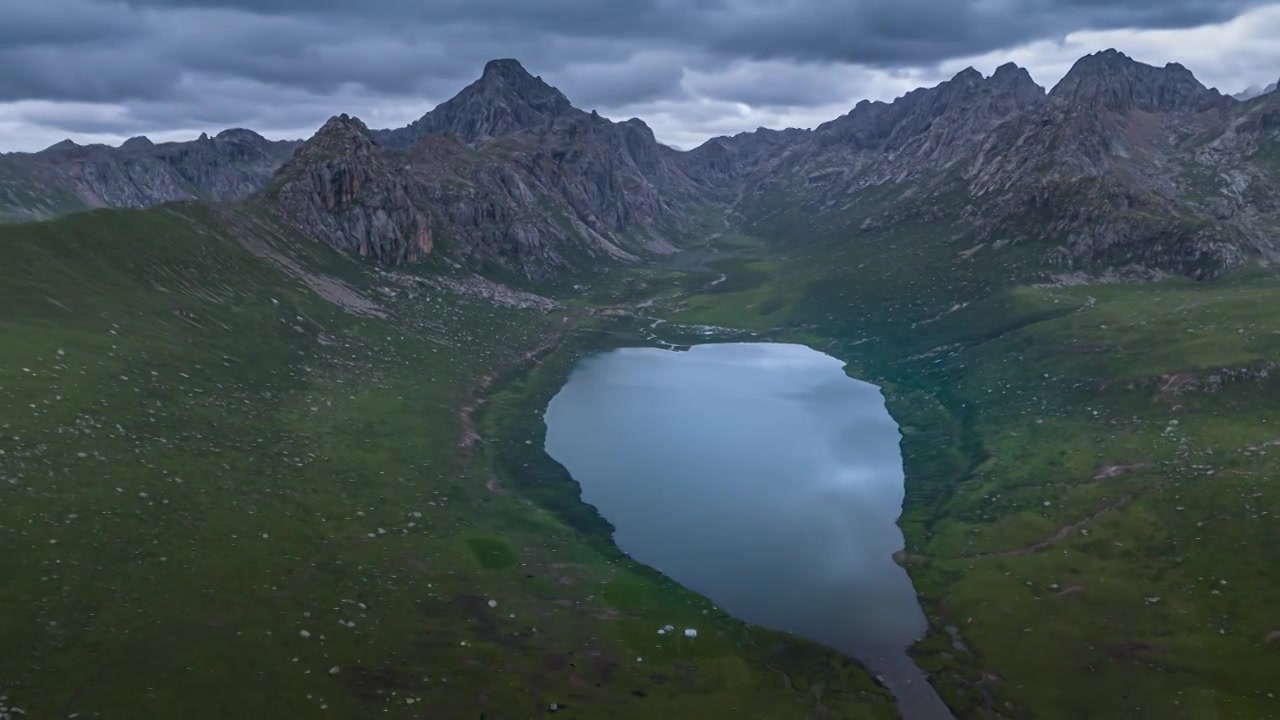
(504, 100)
(506, 175)
(1120, 165)
(66, 177)
(284, 456)
(1254, 91)
(1111, 80)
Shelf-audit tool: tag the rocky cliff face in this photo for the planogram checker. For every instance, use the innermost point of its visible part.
(1110, 80)
(1121, 164)
(505, 100)
(1118, 168)
(506, 175)
(341, 190)
(65, 177)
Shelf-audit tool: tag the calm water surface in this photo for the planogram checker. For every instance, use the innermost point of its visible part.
(761, 476)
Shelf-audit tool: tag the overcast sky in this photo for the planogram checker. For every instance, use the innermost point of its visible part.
(103, 70)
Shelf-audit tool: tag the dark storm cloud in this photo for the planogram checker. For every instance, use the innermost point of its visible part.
(641, 78)
(785, 25)
(201, 61)
(908, 32)
(402, 46)
(888, 32)
(71, 21)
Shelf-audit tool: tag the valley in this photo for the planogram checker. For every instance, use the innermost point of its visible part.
(271, 434)
(226, 494)
(1087, 482)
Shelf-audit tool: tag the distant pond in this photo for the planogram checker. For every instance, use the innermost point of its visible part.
(761, 476)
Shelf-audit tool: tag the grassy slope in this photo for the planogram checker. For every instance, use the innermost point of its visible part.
(1160, 606)
(202, 458)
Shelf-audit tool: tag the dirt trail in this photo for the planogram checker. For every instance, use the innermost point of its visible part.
(466, 414)
(1107, 472)
(1066, 530)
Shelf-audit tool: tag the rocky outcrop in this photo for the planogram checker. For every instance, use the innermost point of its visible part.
(1111, 80)
(505, 100)
(1121, 164)
(230, 166)
(511, 174)
(936, 123)
(340, 189)
(1116, 170)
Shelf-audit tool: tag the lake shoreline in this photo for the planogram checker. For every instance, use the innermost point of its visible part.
(511, 419)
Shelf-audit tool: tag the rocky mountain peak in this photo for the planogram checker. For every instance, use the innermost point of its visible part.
(1010, 75)
(66, 144)
(968, 75)
(140, 142)
(505, 99)
(1254, 91)
(342, 138)
(1111, 80)
(639, 126)
(507, 80)
(343, 125)
(239, 135)
(1009, 70)
(342, 188)
(507, 69)
(949, 114)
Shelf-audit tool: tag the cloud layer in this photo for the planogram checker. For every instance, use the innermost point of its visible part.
(107, 69)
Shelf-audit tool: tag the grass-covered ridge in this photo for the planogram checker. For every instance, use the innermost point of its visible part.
(218, 437)
(236, 480)
(1090, 467)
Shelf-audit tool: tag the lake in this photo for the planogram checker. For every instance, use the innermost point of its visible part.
(761, 476)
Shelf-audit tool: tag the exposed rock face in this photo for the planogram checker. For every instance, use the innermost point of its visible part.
(1110, 80)
(506, 99)
(1122, 165)
(233, 165)
(937, 122)
(508, 171)
(341, 190)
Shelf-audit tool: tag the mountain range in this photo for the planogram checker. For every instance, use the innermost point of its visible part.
(139, 173)
(1122, 165)
(274, 412)
(1254, 91)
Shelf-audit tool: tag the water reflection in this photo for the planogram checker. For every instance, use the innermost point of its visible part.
(761, 476)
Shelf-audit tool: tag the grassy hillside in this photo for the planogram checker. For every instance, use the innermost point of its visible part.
(237, 479)
(1090, 467)
(232, 461)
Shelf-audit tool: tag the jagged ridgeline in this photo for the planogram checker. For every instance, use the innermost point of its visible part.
(67, 177)
(1121, 165)
(274, 448)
